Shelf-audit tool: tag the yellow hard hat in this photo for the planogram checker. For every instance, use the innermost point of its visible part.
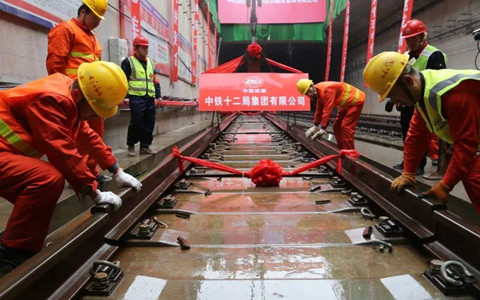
(303, 85)
(99, 7)
(382, 72)
(104, 85)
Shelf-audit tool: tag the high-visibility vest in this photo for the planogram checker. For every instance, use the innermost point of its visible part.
(437, 83)
(422, 60)
(14, 135)
(346, 94)
(84, 49)
(140, 82)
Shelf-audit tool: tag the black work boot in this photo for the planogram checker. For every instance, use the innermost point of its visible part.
(11, 258)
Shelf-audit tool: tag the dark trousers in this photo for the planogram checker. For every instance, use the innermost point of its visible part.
(406, 114)
(142, 121)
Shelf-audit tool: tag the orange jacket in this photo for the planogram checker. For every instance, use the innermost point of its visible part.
(69, 45)
(41, 117)
(334, 94)
(461, 108)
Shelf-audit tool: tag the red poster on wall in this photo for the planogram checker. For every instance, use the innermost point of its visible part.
(175, 42)
(209, 49)
(135, 17)
(329, 45)
(407, 15)
(371, 31)
(345, 41)
(273, 11)
(195, 41)
(251, 92)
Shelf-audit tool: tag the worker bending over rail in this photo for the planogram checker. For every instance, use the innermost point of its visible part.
(330, 94)
(447, 103)
(48, 116)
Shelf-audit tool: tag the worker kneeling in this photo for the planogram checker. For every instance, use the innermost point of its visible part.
(330, 94)
(48, 116)
(447, 103)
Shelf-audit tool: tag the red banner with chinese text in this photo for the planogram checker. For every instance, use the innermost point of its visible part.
(345, 41)
(371, 31)
(251, 92)
(195, 42)
(329, 45)
(174, 77)
(209, 49)
(135, 17)
(407, 15)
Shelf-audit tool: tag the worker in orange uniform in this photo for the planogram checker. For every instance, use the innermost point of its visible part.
(48, 116)
(330, 94)
(72, 43)
(447, 104)
(143, 88)
(426, 56)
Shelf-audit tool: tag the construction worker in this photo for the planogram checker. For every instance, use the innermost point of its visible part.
(447, 104)
(72, 43)
(142, 91)
(426, 56)
(47, 116)
(331, 94)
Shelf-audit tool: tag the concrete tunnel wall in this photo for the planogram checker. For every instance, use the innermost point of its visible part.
(449, 23)
(24, 49)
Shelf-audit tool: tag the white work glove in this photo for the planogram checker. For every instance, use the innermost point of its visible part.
(312, 130)
(318, 134)
(108, 198)
(123, 179)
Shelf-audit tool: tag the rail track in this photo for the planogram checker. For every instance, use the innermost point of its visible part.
(206, 234)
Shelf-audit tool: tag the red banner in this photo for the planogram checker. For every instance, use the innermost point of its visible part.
(215, 48)
(329, 46)
(407, 15)
(251, 92)
(209, 49)
(273, 11)
(135, 17)
(345, 41)
(195, 42)
(174, 77)
(371, 31)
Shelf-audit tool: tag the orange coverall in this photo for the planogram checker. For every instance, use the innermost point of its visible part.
(69, 45)
(461, 108)
(39, 118)
(349, 100)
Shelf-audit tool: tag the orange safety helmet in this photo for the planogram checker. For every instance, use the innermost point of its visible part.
(140, 40)
(412, 28)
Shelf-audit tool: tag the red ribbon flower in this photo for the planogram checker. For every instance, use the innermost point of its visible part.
(254, 50)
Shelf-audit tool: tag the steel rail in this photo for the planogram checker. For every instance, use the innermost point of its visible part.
(61, 269)
(444, 234)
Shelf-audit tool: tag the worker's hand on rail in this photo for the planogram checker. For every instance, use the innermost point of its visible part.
(440, 191)
(312, 130)
(402, 181)
(318, 134)
(123, 179)
(108, 198)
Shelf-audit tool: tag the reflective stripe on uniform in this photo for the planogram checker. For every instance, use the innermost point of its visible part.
(8, 134)
(357, 96)
(84, 55)
(71, 71)
(345, 96)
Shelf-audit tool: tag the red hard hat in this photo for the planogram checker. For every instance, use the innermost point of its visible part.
(140, 40)
(412, 28)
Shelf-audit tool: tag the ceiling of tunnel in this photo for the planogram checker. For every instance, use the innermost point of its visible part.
(305, 55)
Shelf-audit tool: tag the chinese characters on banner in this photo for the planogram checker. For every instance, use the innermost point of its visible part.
(135, 17)
(209, 49)
(329, 45)
(251, 92)
(407, 15)
(345, 41)
(273, 11)
(157, 34)
(195, 42)
(174, 77)
(371, 31)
